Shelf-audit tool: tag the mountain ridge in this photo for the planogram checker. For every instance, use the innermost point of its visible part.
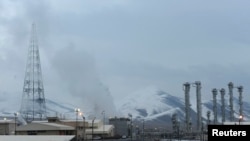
(171, 105)
(151, 104)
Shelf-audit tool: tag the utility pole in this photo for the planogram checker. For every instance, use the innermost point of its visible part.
(77, 110)
(83, 125)
(15, 120)
(103, 113)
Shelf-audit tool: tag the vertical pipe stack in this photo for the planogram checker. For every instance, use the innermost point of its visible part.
(187, 105)
(214, 91)
(198, 95)
(222, 92)
(240, 90)
(230, 86)
(208, 117)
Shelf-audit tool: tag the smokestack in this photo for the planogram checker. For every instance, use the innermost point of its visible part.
(187, 106)
(198, 98)
(222, 92)
(230, 87)
(214, 91)
(240, 90)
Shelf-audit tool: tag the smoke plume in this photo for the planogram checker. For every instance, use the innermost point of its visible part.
(79, 78)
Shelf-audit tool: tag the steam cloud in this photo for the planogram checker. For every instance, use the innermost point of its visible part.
(77, 72)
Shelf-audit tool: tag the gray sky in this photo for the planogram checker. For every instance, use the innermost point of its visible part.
(127, 45)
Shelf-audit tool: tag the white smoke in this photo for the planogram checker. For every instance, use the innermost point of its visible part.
(79, 78)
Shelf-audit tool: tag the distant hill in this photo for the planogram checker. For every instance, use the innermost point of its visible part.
(156, 107)
(152, 104)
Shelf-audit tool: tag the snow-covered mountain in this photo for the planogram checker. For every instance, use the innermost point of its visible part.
(152, 104)
(157, 107)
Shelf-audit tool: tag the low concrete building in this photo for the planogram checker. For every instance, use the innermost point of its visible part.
(97, 129)
(121, 125)
(7, 127)
(44, 128)
(83, 130)
(88, 129)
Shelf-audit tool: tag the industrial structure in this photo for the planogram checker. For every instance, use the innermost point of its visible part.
(188, 123)
(208, 117)
(240, 90)
(187, 106)
(214, 91)
(175, 123)
(33, 100)
(230, 87)
(222, 92)
(197, 84)
(199, 109)
(121, 125)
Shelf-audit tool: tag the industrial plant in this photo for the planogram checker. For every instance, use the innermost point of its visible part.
(37, 122)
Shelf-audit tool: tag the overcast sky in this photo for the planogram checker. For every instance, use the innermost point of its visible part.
(127, 45)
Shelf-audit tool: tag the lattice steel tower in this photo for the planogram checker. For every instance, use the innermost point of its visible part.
(33, 101)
